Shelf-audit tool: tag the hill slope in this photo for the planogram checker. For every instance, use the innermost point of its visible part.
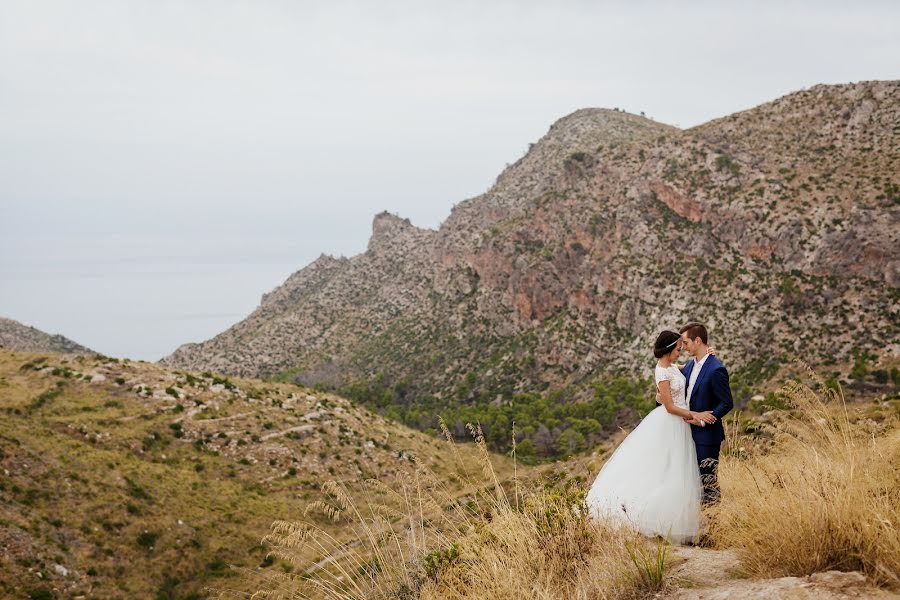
(23, 338)
(777, 226)
(127, 480)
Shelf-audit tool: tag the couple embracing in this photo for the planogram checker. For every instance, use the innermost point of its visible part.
(659, 476)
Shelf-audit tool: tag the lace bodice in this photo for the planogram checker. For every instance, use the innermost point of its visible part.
(676, 381)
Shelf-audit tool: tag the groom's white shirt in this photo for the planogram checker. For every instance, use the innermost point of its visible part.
(695, 372)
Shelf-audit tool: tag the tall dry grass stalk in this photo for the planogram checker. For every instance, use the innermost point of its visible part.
(420, 540)
(825, 495)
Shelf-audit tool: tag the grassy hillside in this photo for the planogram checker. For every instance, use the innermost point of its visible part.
(121, 479)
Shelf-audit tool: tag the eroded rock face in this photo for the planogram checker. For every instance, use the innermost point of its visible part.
(776, 226)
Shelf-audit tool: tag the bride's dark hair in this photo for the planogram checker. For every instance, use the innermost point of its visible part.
(665, 343)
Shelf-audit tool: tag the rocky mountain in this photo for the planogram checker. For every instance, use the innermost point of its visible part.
(16, 336)
(777, 226)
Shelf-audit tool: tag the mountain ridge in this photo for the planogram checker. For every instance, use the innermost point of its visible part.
(777, 226)
(25, 338)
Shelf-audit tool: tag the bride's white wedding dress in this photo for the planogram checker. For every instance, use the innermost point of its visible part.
(652, 480)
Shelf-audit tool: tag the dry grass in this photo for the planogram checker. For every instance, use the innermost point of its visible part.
(825, 495)
(421, 541)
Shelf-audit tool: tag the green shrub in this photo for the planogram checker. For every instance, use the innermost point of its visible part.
(860, 366)
(152, 440)
(135, 491)
(43, 399)
(438, 560)
(147, 539)
(880, 376)
(217, 568)
(726, 163)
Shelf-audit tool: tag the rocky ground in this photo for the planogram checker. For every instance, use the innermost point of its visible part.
(705, 574)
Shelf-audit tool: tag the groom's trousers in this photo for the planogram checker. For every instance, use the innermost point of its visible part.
(708, 459)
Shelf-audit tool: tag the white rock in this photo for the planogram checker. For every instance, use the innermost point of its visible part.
(61, 570)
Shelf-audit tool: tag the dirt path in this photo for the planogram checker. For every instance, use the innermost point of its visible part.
(703, 574)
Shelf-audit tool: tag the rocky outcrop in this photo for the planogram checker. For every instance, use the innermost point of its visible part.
(23, 338)
(777, 226)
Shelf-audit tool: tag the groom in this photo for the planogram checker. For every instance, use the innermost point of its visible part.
(707, 390)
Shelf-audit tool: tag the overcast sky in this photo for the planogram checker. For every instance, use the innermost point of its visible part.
(163, 164)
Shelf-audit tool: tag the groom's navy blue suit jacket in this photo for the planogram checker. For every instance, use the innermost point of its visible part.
(711, 392)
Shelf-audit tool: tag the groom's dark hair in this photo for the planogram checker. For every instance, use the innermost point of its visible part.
(695, 330)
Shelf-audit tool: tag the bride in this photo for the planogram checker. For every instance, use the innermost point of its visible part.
(652, 481)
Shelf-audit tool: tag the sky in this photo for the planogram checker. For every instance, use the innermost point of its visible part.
(163, 164)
